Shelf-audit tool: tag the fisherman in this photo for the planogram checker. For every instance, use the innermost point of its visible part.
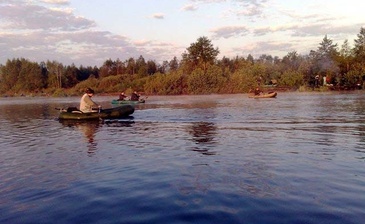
(257, 91)
(135, 96)
(86, 103)
(122, 96)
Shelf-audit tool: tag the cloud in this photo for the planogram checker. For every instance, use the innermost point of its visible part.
(189, 8)
(158, 16)
(142, 42)
(66, 47)
(84, 47)
(42, 33)
(263, 47)
(322, 29)
(33, 17)
(56, 2)
(208, 1)
(250, 11)
(50, 30)
(309, 30)
(229, 31)
(249, 8)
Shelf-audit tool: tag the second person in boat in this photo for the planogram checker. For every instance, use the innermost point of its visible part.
(135, 96)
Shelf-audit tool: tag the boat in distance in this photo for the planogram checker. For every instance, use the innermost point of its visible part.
(128, 101)
(266, 95)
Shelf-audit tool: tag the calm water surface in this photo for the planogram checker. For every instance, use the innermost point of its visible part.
(299, 158)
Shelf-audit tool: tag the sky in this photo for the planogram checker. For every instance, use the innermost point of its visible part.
(89, 32)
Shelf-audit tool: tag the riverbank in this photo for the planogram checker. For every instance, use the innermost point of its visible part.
(266, 88)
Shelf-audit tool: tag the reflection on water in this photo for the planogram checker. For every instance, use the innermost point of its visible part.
(203, 134)
(88, 128)
(294, 159)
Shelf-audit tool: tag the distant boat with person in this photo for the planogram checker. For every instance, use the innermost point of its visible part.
(134, 99)
(128, 101)
(264, 95)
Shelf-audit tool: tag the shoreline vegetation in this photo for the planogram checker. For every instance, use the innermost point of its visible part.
(198, 72)
(265, 89)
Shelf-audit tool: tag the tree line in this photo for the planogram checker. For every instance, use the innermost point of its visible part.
(199, 71)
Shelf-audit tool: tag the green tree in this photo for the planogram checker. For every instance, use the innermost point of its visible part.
(71, 73)
(291, 78)
(120, 67)
(324, 60)
(211, 81)
(250, 59)
(151, 67)
(108, 68)
(173, 64)
(141, 67)
(21, 75)
(242, 80)
(166, 84)
(10, 74)
(345, 57)
(201, 53)
(292, 60)
(30, 77)
(359, 47)
(131, 66)
(163, 68)
(55, 74)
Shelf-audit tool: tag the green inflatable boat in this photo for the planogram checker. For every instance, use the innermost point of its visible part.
(72, 113)
(128, 101)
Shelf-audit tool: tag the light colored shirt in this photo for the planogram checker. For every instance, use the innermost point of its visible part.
(86, 103)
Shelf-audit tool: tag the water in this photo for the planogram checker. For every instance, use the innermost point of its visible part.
(298, 158)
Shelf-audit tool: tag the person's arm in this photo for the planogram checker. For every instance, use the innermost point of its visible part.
(90, 102)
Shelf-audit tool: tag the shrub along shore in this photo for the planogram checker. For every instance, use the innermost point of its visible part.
(199, 72)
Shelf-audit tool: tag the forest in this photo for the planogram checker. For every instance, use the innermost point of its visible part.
(199, 71)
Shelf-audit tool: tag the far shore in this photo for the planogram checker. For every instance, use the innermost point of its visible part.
(265, 89)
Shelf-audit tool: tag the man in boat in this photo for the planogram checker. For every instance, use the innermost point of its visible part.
(86, 103)
(135, 96)
(257, 91)
(122, 96)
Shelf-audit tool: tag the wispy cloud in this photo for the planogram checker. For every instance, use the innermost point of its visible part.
(262, 47)
(189, 7)
(158, 16)
(208, 1)
(51, 29)
(39, 32)
(56, 2)
(305, 30)
(325, 28)
(33, 17)
(229, 31)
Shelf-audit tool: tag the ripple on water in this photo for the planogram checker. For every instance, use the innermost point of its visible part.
(220, 159)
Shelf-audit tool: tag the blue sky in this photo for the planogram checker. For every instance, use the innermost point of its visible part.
(88, 32)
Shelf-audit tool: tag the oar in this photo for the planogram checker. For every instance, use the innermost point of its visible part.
(97, 108)
(143, 99)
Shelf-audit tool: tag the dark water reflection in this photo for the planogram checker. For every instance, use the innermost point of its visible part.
(202, 159)
(203, 135)
(88, 128)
